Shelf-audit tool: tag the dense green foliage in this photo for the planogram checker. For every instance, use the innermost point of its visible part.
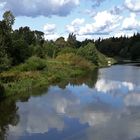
(28, 61)
(89, 52)
(122, 47)
(2, 90)
(33, 64)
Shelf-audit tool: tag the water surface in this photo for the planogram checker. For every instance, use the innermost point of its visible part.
(103, 106)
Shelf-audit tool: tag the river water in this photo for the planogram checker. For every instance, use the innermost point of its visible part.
(102, 106)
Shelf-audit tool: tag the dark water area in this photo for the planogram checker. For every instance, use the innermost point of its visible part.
(104, 105)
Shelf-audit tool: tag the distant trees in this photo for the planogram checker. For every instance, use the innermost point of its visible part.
(16, 46)
(60, 42)
(135, 50)
(124, 47)
(71, 40)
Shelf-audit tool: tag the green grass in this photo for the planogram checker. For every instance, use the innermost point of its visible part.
(37, 73)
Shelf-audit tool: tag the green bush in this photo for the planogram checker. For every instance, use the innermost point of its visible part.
(67, 50)
(75, 60)
(33, 63)
(39, 51)
(5, 62)
(89, 52)
(2, 90)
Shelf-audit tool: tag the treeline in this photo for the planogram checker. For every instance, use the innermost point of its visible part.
(16, 46)
(120, 47)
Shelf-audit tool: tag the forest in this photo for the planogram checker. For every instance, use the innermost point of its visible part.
(28, 61)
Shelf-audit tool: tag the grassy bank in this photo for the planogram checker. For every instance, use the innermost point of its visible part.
(38, 73)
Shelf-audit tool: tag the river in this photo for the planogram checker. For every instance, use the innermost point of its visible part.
(103, 106)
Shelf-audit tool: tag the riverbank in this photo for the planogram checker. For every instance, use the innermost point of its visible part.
(38, 73)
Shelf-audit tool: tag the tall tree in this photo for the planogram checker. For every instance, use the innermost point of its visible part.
(71, 41)
(9, 19)
(60, 42)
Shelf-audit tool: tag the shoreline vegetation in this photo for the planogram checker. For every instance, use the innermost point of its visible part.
(38, 72)
(29, 62)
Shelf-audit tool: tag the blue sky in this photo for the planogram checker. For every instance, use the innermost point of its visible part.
(86, 18)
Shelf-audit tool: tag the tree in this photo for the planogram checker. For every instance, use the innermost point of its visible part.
(5, 44)
(71, 41)
(5, 38)
(5, 62)
(89, 52)
(50, 49)
(9, 19)
(135, 51)
(20, 51)
(27, 35)
(39, 36)
(60, 42)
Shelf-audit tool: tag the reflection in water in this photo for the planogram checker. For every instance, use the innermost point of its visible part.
(90, 79)
(106, 110)
(8, 116)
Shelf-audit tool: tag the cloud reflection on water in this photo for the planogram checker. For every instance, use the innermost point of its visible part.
(97, 107)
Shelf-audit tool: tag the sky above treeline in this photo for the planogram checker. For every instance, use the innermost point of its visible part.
(85, 18)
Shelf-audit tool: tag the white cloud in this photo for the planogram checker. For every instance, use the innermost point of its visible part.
(33, 8)
(105, 22)
(123, 33)
(75, 25)
(50, 32)
(132, 5)
(131, 23)
(70, 29)
(77, 21)
(83, 37)
(51, 36)
(49, 29)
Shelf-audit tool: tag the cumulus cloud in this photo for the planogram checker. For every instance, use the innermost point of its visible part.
(75, 25)
(49, 29)
(105, 22)
(77, 21)
(35, 8)
(132, 5)
(131, 23)
(50, 32)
